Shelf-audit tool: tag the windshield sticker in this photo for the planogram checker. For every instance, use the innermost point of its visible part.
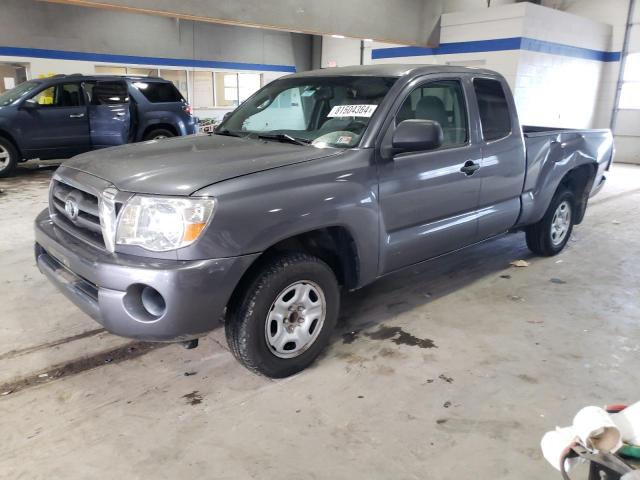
(352, 111)
(344, 139)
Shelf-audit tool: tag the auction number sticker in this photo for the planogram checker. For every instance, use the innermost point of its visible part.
(352, 111)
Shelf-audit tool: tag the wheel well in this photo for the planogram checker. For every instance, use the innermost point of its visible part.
(6, 136)
(580, 180)
(157, 126)
(334, 245)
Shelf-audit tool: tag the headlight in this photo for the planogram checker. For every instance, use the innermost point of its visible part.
(162, 224)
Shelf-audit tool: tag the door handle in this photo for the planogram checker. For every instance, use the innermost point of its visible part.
(76, 115)
(120, 114)
(469, 168)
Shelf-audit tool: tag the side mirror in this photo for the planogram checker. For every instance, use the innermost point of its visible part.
(416, 136)
(29, 104)
(225, 116)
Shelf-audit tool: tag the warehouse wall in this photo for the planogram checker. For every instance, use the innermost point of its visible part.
(52, 38)
(552, 60)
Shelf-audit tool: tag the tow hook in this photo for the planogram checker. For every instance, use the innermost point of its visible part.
(189, 344)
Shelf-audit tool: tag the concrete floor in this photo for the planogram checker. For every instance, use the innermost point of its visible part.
(452, 370)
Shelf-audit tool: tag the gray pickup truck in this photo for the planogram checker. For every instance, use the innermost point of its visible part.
(320, 180)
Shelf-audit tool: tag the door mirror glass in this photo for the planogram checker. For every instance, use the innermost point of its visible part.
(29, 104)
(417, 135)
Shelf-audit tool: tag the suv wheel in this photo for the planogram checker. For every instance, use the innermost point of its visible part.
(8, 157)
(159, 134)
(550, 235)
(285, 318)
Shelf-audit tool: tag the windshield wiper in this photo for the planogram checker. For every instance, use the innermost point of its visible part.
(226, 132)
(283, 137)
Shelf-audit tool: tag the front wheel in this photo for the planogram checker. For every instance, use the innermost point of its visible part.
(286, 316)
(550, 235)
(8, 157)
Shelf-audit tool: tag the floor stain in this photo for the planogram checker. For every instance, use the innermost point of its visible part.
(527, 378)
(398, 336)
(126, 352)
(55, 343)
(193, 398)
(557, 281)
(349, 337)
(444, 378)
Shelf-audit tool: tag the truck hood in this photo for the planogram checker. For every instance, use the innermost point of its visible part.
(181, 166)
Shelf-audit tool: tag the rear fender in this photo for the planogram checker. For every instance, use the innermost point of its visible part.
(550, 159)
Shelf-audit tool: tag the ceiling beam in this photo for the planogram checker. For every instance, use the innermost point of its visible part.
(411, 22)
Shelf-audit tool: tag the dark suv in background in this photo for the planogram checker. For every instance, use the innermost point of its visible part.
(65, 115)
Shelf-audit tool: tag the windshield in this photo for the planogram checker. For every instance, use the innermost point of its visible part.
(10, 96)
(322, 111)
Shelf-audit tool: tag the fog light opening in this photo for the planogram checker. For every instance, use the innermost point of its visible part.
(152, 302)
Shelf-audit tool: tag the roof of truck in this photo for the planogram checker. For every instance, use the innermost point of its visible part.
(390, 70)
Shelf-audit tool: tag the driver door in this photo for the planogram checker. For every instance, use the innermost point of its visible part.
(428, 205)
(56, 122)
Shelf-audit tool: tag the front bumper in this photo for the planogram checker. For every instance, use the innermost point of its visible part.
(107, 286)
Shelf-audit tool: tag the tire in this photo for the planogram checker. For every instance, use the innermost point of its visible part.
(550, 235)
(256, 331)
(158, 134)
(8, 157)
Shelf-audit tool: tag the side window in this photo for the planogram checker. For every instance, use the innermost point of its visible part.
(107, 93)
(442, 102)
(61, 95)
(494, 109)
(159, 92)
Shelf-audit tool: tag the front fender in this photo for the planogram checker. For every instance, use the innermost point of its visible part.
(259, 210)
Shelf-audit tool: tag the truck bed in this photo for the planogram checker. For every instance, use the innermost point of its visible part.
(550, 153)
(537, 131)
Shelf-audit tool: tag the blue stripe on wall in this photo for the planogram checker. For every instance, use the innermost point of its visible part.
(498, 44)
(568, 50)
(136, 60)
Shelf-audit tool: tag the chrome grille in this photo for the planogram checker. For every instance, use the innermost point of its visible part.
(76, 211)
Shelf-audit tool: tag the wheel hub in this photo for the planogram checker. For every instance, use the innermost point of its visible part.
(560, 223)
(4, 157)
(295, 319)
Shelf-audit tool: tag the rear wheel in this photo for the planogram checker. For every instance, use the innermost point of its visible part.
(8, 157)
(286, 316)
(159, 134)
(550, 235)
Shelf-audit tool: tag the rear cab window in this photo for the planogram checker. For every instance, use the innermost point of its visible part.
(159, 92)
(493, 108)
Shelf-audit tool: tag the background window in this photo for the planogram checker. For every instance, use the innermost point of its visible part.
(442, 102)
(234, 88)
(494, 110)
(178, 78)
(226, 89)
(108, 70)
(203, 90)
(62, 95)
(630, 93)
(114, 70)
(248, 84)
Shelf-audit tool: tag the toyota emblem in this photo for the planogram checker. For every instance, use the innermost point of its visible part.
(71, 207)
